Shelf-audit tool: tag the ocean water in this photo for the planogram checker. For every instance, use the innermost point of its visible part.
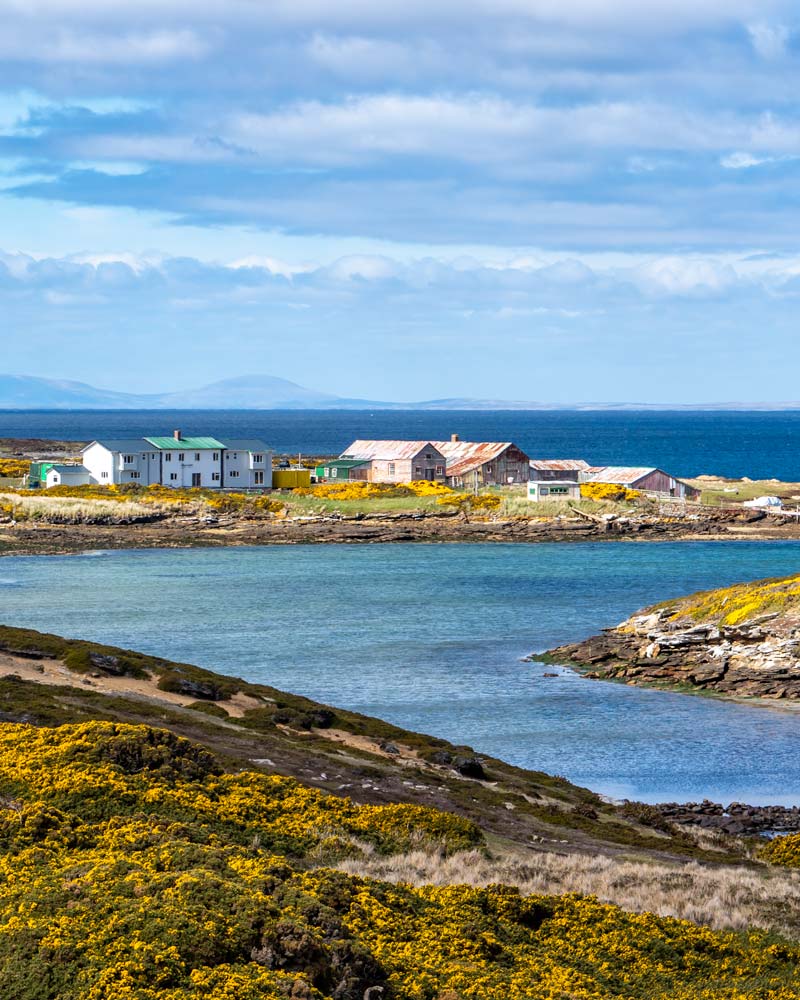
(685, 443)
(431, 637)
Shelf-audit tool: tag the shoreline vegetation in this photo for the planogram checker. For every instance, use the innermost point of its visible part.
(76, 519)
(276, 847)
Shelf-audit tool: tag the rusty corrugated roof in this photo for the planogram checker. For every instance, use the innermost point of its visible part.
(464, 456)
(559, 464)
(384, 451)
(624, 475)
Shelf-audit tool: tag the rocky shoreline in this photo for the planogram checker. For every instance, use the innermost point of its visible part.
(759, 658)
(738, 818)
(38, 538)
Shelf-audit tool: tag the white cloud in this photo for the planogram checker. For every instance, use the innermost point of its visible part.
(64, 45)
(769, 40)
(685, 276)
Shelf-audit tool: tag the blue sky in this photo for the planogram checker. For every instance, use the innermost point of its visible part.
(520, 199)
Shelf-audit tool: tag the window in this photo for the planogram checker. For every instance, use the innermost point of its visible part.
(134, 475)
(334, 472)
(168, 456)
(561, 490)
(258, 458)
(128, 459)
(234, 475)
(197, 456)
(259, 478)
(235, 454)
(391, 468)
(428, 455)
(215, 477)
(439, 470)
(417, 470)
(181, 456)
(215, 456)
(173, 476)
(104, 475)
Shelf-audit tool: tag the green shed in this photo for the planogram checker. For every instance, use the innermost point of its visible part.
(342, 468)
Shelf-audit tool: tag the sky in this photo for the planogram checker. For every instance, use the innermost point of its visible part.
(553, 200)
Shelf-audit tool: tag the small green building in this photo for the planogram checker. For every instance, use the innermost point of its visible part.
(342, 468)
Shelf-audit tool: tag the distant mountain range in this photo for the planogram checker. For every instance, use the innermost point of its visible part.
(266, 392)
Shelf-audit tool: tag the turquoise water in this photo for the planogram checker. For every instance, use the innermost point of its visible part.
(431, 637)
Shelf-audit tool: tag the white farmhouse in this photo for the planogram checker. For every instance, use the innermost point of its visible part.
(179, 462)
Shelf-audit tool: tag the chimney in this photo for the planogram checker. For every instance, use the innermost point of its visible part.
(177, 435)
(454, 438)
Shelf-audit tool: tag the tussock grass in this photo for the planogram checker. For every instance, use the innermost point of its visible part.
(71, 510)
(520, 506)
(721, 897)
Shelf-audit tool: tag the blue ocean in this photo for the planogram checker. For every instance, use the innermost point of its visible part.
(760, 445)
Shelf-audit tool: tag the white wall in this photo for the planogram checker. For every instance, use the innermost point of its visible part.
(100, 463)
(241, 469)
(178, 467)
(56, 478)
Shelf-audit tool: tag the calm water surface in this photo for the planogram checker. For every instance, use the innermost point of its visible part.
(431, 636)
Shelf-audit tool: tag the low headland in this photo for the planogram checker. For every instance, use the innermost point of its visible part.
(274, 847)
(739, 642)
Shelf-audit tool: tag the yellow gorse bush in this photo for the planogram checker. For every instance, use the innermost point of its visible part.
(608, 491)
(133, 868)
(742, 601)
(783, 851)
(14, 468)
(359, 489)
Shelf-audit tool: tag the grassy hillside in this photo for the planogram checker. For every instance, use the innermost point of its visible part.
(132, 865)
(169, 833)
(330, 748)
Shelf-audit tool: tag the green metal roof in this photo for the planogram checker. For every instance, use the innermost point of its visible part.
(186, 444)
(342, 463)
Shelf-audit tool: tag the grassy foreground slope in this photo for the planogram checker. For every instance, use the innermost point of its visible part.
(139, 864)
(132, 865)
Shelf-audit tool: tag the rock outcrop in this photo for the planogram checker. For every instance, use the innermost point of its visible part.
(741, 641)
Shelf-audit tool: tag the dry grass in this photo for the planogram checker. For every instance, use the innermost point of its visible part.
(520, 506)
(71, 510)
(721, 897)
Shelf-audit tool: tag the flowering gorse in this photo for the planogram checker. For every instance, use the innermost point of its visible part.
(133, 868)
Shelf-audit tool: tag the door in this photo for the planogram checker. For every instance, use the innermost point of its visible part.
(430, 474)
(195, 479)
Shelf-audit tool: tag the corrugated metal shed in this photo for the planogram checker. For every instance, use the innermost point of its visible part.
(559, 464)
(290, 479)
(624, 475)
(385, 451)
(463, 456)
(186, 444)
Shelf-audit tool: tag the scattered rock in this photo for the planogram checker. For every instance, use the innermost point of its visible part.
(470, 767)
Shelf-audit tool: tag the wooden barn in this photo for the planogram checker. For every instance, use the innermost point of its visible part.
(397, 461)
(649, 480)
(483, 463)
